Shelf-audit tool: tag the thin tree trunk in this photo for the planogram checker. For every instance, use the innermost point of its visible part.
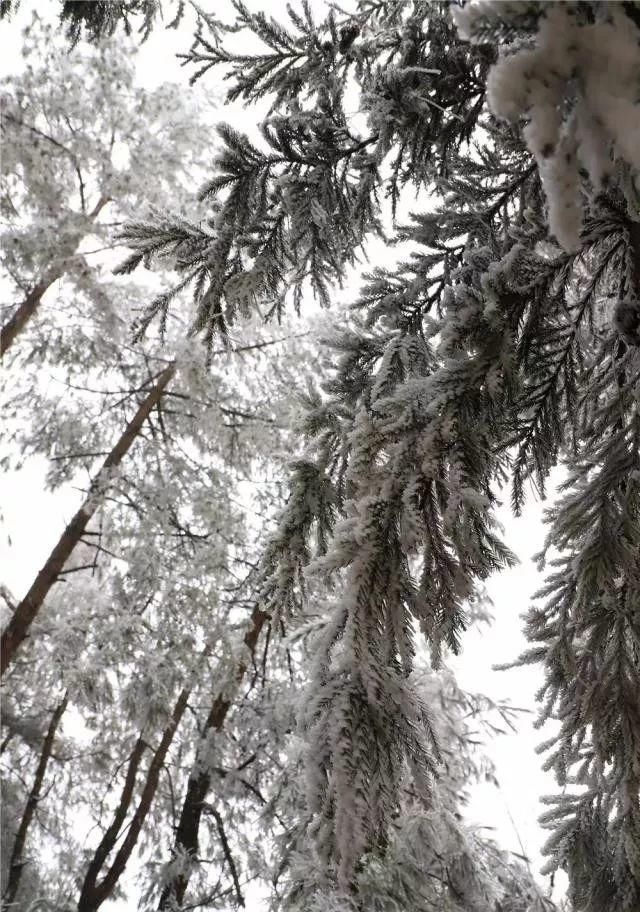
(18, 627)
(23, 313)
(200, 781)
(110, 835)
(94, 893)
(17, 862)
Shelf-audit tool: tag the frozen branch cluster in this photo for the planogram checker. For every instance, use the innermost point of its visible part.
(575, 80)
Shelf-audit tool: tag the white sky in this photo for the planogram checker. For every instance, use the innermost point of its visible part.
(33, 520)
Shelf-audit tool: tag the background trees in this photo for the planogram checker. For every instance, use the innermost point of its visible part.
(111, 690)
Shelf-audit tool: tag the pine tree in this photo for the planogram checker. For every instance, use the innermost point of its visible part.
(505, 345)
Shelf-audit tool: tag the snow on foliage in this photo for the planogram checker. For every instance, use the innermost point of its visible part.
(576, 82)
(261, 656)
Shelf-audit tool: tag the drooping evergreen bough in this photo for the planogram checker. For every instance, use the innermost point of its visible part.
(505, 343)
(147, 630)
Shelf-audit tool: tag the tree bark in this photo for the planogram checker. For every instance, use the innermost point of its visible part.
(17, 863)
(23, 313)
(26, 612)
(200, 781)
(110, 835)
(95, 892)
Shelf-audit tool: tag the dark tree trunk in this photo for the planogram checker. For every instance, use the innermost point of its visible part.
(200, 781)
(23, 313)
(17, 861)
(95, 892)
(26, 612)
(110, 835)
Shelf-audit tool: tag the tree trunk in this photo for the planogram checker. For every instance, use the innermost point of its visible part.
(23, 313)
(200, 781)
(110, 835)
(18, 627)
(17, 862)
(94, 893)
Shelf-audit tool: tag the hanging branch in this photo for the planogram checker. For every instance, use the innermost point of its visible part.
(226, 848)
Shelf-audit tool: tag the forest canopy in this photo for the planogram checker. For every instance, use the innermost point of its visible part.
(232, 676)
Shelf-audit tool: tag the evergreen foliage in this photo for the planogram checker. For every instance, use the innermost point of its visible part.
(504, 346)
(96, 19)
(149, 715)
